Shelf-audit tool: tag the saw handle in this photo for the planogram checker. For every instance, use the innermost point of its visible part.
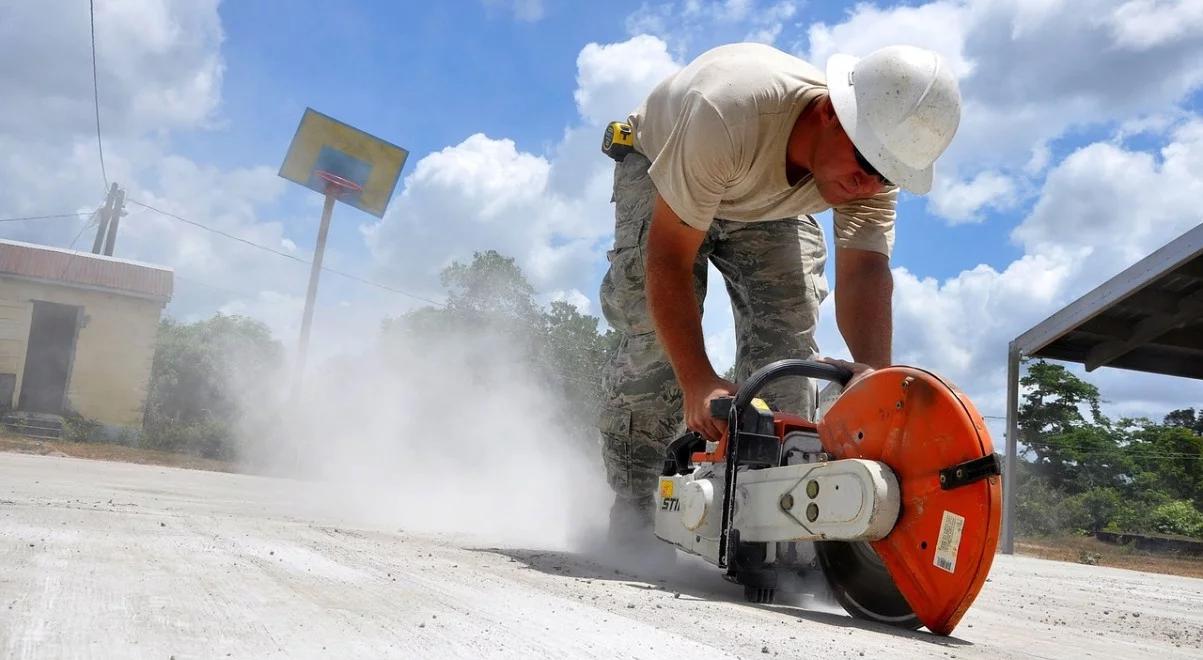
(783, 368)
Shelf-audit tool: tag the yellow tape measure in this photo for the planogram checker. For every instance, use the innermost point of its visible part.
(618, 141)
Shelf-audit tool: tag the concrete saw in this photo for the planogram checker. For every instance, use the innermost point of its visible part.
(893, 494)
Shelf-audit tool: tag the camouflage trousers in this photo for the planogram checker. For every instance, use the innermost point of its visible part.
(774, 275)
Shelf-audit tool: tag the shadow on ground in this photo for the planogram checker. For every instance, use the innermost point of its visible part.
(690, 577)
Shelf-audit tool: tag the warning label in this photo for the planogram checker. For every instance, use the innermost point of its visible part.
(666, 487)
(949, 541)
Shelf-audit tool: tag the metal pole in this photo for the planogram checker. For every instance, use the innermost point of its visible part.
(1009, 475)
(314, 273)
(103, 227)
(114, 220)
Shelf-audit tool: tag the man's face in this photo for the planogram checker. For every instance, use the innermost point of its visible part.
(840, 176)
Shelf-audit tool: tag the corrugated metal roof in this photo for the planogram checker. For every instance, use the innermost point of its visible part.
(69, 267)
(1147, 318)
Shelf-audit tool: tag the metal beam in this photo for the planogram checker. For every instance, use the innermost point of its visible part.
(1189, 310)
(1012, 462)
(1178, 252)
(1187, 337)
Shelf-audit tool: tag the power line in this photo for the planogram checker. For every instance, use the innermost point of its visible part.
(281, 253)
(96, 92)
(219, 232)
(71, 247)
(47, 217)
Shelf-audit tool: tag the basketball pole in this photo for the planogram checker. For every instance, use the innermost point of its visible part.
(315, 272)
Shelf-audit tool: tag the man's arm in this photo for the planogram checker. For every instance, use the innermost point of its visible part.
(864, 287)
(672, 249)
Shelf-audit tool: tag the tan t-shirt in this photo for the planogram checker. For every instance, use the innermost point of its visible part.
(716, 133)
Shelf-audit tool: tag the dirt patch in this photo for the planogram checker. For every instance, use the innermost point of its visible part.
(1087, 549)
(109, 452)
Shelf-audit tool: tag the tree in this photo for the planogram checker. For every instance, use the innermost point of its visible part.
(207, 380)
(491, 313)
(1166, 459)
(1186, 418)
(1063, 446)
(1084, 472)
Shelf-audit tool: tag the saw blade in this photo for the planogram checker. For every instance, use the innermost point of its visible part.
(862, 585)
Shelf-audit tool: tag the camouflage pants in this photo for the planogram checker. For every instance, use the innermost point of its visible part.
(774, 275)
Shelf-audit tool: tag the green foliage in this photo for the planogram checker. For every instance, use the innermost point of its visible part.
(1177, 517)
(1186, 418)
(491, 307)
(77, 428)
(1082, 472)
(206, 380)
(1095, 508)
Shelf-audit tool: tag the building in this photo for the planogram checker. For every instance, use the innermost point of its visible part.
(77, 334)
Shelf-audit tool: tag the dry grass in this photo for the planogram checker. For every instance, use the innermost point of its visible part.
(1079, 548)
(109, 452)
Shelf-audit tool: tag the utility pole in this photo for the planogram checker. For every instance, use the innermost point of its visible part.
(103, 226)
(118, 210)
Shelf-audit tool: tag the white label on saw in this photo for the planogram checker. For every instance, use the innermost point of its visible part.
(949, 541)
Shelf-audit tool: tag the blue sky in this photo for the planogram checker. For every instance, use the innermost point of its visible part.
(1080, 149)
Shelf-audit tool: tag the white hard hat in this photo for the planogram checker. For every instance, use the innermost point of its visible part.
(900, 106)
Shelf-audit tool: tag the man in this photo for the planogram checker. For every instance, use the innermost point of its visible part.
(731, 154)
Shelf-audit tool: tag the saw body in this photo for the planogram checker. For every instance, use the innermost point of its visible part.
(894, 495)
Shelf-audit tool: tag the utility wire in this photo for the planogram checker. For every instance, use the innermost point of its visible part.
(71, 247)
(219, 232)
(286, 255)
(96, 92)
(48, 217)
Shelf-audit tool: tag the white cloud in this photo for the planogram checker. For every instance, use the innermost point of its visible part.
(1142, 24)
(573, 297)
(484, 194)
(612, 79)
(1099, 211)
(962, 201)
(158, 67)
(552, 213)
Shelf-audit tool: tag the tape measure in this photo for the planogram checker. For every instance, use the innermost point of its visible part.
(618, 141)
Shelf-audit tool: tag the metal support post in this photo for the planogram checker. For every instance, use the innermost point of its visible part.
(314, 273)
(1012, 462)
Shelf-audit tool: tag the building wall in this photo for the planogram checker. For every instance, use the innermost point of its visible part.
(113, 352)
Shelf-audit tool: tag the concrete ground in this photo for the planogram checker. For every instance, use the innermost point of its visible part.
(111, 560)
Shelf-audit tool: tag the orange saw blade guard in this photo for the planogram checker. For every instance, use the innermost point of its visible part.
(940, 550)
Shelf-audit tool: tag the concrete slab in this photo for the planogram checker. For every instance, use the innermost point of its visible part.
(116, 560)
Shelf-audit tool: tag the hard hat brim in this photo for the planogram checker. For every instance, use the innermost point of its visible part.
(843, 97)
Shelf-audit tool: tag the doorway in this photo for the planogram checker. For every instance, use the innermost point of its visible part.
(48, 357)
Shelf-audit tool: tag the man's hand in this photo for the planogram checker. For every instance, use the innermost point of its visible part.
(697, 407)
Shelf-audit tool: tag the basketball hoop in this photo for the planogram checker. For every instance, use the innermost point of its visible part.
(337, 185)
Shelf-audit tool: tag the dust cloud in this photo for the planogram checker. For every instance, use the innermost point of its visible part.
(454, 435)
(464, 436)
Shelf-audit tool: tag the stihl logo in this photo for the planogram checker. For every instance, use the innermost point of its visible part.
(670, 504)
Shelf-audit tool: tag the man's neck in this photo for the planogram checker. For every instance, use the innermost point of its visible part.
(801, 147)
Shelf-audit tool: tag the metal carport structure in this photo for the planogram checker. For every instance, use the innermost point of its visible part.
(1148, 318)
